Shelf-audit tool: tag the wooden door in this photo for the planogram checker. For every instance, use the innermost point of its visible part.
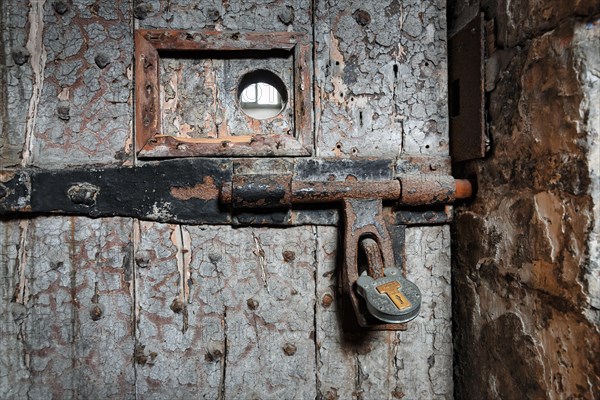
(125, 308)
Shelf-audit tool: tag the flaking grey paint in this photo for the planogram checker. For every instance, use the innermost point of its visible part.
(203, 310)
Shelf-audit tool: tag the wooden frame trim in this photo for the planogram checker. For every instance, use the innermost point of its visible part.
(149, 140)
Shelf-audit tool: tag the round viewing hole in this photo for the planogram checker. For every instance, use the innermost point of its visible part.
(262, 94)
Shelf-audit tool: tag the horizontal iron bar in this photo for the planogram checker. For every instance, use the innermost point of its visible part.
(189, 190)
(258, 191)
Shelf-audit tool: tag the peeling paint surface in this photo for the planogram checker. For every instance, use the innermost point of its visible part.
(381, 84)
(81, 114)
(122, 308)
(69, 264)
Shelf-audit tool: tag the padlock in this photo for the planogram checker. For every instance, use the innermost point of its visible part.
(391, 298)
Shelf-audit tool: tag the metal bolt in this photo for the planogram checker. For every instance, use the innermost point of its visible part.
(177, 306)
(289, 349)
(362, 17)
(398, 393)
(102, 60)
(278, 217)
(60, 7)
(96, 312)
(20, 56)
(63, 110)
(213, 14)
(83, 193)
(252, 304)
(288, 256)
(331, 395)
(327, 300)
(141, 10)
(142, 259)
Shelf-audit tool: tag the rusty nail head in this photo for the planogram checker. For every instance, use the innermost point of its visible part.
(327, 300)
(96, 312)
(102, 60)
(83, 193)
(289, 349)
(177, 306)
(252, 304)
(60, 7)
(288, 256)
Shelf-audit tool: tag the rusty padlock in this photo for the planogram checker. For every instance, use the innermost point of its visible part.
(392, 298)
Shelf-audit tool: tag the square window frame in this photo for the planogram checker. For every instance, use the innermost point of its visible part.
(149, 140)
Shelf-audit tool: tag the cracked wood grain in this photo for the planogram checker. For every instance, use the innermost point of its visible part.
(380, 81)
(108, 307)
(78, 113)
(427, 344)
(239, 339)
(38, 55)
(270, 350)
(14, 372)
(175, 336)
(73, 313)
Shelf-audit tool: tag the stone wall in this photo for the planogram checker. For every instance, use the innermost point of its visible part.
(525, 251)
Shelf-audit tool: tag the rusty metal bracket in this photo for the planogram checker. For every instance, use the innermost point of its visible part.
(364, 219)
(468, 138)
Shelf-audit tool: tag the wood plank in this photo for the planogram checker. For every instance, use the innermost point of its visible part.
(15, 84)
(243, 16)
(414, 364)
(75, 309)
(268, 298)
(231, 337)
(354, 365)
(178, 338)
(336, 360)
(83, 113)
(14, 374)
(424, 356)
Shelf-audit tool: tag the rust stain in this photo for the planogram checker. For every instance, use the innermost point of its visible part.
(327, 300)
(207, 190)
(288, 256)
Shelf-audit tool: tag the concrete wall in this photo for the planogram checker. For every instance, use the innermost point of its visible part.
(525, 251)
